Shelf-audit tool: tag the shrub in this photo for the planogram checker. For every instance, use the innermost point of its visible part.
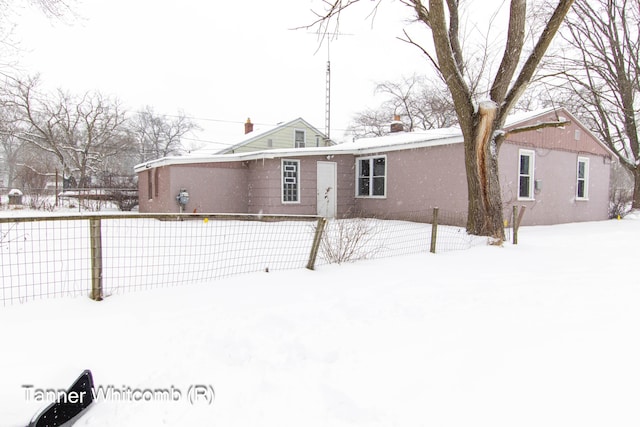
(620, 203)
(348, 240)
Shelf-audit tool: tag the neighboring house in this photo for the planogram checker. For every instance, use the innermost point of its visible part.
(559, 174)
(297, 133)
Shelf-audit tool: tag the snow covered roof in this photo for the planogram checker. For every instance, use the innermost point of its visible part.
(524, 116)
(391, 142)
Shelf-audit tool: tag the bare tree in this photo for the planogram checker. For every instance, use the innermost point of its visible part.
(481, 117)
(371, 122)
(11, 147)
(36, 118)
(601, 77)
(159, 135)
(35, 169)
(51, 8)
(81, 132)
(424, 104)
(421, 103)
(91, 129)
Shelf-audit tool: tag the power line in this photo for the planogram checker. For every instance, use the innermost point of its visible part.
(233, 121)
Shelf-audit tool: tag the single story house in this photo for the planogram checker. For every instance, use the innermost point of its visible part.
(561, 174)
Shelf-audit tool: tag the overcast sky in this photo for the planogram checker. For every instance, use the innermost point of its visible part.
(222, 62)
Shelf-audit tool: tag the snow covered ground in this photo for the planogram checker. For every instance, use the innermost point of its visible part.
(546, 333)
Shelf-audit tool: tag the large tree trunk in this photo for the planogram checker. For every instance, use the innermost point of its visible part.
(484, 213)
(636, 189)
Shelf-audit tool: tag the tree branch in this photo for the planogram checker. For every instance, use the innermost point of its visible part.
(537, 126)
(512, 51)
(536, 56)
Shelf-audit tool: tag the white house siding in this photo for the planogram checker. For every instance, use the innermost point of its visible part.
(281, 138)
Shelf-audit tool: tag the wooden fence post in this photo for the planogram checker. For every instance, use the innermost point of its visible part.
(434, 231)
(95, 233)
(514, 224)
(517, 219)
(317, 238)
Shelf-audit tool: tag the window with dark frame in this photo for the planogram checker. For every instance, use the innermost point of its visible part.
(525, 175)
(372, 173)
(156, 180)
(290, 179)
(149, 184)
(582, 185)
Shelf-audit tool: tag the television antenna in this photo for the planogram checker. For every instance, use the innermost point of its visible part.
(328, 36)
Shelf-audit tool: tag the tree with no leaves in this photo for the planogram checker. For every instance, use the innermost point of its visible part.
(51, 8)
(80, 131)
(11, 147)
(158, 135)
(481, 118)
(421, 103)
(602, 78)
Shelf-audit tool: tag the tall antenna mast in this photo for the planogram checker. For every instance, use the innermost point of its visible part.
(327, 88)
(327, 92)
(327, 98)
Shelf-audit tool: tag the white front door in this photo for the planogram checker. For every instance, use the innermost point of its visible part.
(326, 189)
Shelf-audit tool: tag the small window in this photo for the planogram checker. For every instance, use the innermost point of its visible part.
(156, 181)
(299, 138)
(269, 143)
(582, 184)
(149, 184)
(290, 180)
(372, 173)
(525, 174)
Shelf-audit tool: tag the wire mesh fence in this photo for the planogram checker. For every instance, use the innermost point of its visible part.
(357, 238)
(101, 255)
(49, 257)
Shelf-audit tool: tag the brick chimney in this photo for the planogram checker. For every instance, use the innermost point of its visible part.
(248, 126)
(396, 125)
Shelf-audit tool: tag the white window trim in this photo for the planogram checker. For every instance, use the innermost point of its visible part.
(282, 181)
(386, 177)
(586, 178)
(304, 137)
(532, 168)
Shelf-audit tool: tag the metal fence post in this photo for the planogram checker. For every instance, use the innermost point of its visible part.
(95, 233)
(317, 238)
(434, 231)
